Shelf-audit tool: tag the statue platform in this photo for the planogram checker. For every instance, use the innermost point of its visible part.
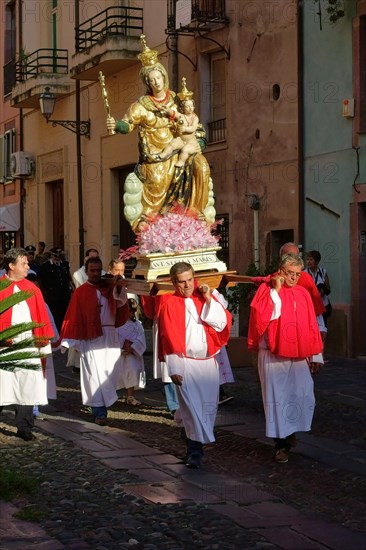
(151, 274)
(152, 266)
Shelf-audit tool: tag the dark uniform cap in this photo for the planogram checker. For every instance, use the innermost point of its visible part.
(30, 248)
(56, 251)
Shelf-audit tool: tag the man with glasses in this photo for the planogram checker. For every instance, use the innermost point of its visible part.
(284, 331)
(306, 281)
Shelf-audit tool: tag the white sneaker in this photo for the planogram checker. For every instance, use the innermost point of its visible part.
(132, 401)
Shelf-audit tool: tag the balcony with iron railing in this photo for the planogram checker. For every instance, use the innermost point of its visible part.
(32, 72)
(205, 14)
(42, 61)
(107, 42)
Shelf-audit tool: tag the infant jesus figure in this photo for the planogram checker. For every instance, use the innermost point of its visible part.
(186, 122)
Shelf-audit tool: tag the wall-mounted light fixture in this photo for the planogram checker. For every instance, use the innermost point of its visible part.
(47, 102)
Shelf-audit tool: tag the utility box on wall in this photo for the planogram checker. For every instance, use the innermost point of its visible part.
(21, 164)
(348, 108)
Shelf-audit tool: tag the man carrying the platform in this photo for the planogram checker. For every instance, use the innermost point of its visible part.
(193, 326)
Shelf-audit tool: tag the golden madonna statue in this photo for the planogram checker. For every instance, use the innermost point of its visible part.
(171, 168)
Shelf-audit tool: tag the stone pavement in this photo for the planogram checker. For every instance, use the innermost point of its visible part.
(155, 477)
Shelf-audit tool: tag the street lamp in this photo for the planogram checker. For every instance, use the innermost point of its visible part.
(47, 102)
(79, 127)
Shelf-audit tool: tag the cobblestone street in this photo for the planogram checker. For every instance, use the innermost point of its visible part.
(125, 485)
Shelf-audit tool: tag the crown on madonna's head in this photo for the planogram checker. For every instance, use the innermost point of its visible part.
(185, 94)
(147, 57)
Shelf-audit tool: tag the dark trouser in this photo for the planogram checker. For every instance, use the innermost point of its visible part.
(24, 420)
(194, 448)
(58, 309)
(285, 443)
(327, 314)
(99, 412)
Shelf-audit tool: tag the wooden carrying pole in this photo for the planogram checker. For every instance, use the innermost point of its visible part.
(164, 285)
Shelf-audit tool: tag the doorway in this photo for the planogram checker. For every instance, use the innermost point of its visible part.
(56, 193)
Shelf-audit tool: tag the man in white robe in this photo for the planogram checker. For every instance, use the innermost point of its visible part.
(193, 326)
(23, 387)
(160, 369)
(80, 277)
(97, 307)
(284, 331)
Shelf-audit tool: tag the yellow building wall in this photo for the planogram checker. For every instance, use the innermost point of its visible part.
(101, 156)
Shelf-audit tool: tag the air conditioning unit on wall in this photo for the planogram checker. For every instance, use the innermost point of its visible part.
(21, 164)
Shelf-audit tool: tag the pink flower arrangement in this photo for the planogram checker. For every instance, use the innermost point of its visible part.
(177, 231)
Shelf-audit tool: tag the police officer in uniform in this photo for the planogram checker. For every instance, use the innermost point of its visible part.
(56, 284)
(30, 250)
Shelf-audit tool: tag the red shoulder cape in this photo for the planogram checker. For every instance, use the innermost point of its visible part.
(305, 281)
(37, 308)
(170, 311)
(295, 334)
(82, 319)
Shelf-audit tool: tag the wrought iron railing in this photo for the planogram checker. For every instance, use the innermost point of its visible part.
(113, 21)
(208, 10)
(217, 131)
(42, 61)
(201, 10)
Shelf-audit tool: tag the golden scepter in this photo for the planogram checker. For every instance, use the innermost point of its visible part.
(105, 100)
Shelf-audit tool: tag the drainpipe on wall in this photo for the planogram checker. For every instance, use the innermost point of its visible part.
(22, 189)
(78, 155)
(80, 178)
(21, 135)
(300, 125)
(254, 204)
(256, 237)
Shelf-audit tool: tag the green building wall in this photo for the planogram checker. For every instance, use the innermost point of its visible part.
(330, 162)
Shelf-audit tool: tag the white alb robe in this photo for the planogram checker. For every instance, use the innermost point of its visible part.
(160, 369)
(132, 371)
(99, 361)
(287, 387)
(198, 395)
(225, 370)
(24, 386)
(50, 370)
